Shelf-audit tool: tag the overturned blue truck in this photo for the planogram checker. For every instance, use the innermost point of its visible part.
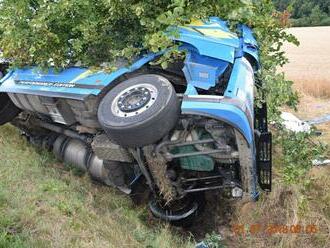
(184, 130)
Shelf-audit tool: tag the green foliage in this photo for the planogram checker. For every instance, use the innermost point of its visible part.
(306, 13)
(299, 150)
(11, 241)
(47, 32)
(214, 240)
(278, 92)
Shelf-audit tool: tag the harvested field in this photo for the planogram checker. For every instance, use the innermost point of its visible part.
(309, 65)
(309, 68)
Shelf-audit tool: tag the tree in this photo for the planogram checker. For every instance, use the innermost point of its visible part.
(306, 13)
(316, 15)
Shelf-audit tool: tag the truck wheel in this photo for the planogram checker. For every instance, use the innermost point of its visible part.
(8, 110)
(180, 212)
(139, 111)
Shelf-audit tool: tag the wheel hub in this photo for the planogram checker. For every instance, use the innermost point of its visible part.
(134, 100)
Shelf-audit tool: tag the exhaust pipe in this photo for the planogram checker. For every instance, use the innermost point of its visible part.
(75, 152)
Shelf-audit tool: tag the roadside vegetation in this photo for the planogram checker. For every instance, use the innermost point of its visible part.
(306, 13)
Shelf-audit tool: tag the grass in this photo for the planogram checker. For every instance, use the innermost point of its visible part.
(43, 204)
(305, 205)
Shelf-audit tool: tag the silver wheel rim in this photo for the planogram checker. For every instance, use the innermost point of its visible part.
(134, 100)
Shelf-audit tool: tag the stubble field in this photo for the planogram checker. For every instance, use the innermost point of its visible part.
(309, 69)
(309, 63)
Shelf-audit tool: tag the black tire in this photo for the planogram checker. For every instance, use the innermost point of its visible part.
(8, 111)
(181, 212)
(139, 111)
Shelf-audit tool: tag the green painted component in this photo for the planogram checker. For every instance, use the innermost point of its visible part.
(196, 163)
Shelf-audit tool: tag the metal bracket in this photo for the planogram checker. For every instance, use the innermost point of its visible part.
(264, 161)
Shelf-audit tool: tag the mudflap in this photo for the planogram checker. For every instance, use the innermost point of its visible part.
(264, 161)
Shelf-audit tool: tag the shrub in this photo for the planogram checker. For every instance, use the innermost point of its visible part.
(299, 150)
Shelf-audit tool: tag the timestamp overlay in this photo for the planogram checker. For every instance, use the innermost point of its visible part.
(270, 229)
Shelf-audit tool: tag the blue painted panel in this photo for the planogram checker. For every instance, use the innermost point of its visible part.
(247, 34)
(49, 76)
(213, 30)
(250, 45)
(213, 50)
(203, 72)
(211, 38)
(241, 84)
(76, 83)
(191, 90)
